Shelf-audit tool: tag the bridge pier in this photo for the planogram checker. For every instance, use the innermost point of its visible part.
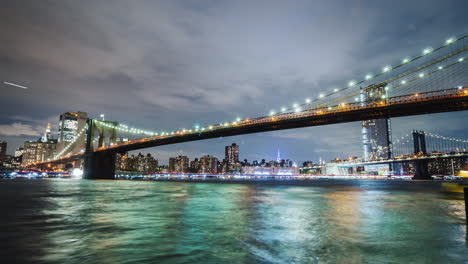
(99, 165)
(421, 167)
(421, 170)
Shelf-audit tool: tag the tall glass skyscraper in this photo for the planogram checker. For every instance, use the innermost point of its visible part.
(70, 125)
(376, 133)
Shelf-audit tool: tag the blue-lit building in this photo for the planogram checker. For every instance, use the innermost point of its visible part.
(376, 133)
(70, 125)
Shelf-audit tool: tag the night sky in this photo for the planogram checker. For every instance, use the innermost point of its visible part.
(166, 65)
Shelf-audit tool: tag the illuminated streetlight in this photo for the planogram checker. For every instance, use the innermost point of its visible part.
(450, 40)
(427, 51)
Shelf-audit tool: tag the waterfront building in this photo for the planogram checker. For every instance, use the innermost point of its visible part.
(171, 166)
(38, 151)
(447, 166)
(70, 125)
(332, 168)
(121, 161)
(11, 162)
(195, 165)
(3, 147)
(19, 152)
(208, 164)
(179, 164)
(375, 132)
(270, 171)
(232, 153)
(140, 162)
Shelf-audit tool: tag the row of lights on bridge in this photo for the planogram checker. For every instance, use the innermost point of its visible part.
(352, 83)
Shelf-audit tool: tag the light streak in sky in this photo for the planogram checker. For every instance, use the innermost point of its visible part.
(16, 85)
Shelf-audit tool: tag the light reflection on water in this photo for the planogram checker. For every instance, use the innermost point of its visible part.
(73, 221)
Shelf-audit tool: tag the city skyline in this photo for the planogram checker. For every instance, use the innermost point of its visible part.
(150, 82)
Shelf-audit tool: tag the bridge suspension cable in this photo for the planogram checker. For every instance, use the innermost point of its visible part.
(58, 155)
(369, 77)
(403, 82)
(127, 129)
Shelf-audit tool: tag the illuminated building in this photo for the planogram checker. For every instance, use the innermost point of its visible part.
(140, 162)
(172, 164)
(375, 132)
(47, 134)
(70, 124)
(179, 164)
(270, 171)
(195, 165)
(208, 164)
(37, 151)
(232, 158)
(278, 157)
(232, 153)
(3, 147)
(19, 152)
(11, 162)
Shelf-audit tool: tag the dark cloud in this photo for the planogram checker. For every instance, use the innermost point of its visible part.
(171, 64)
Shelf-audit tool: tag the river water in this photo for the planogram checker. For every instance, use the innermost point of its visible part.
(79, 221)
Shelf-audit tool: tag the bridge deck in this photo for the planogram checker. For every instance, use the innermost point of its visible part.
(407, 105)
(416, 104)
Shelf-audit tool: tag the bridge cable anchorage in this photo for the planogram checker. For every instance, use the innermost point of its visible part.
(368, 77)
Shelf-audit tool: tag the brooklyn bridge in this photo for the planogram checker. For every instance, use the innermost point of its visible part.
(432, 81)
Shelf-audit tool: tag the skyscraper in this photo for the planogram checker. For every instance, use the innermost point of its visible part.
(37, 151)
(278, 157)
(47, 134)
(232, 154)
(3, 147)
(41, 150)
(376, 135)
(70, 125)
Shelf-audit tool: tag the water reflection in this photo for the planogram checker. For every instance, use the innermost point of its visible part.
(73, 221)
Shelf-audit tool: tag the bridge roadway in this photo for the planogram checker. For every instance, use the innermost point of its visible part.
(448, 100)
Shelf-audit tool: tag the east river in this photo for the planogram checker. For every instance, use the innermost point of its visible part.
(79, 221)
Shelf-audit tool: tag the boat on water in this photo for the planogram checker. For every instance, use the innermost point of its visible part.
(456, 189)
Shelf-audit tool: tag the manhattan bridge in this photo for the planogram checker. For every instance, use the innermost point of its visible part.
(433, 80)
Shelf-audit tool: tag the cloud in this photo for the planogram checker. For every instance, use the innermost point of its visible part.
(18, 129)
